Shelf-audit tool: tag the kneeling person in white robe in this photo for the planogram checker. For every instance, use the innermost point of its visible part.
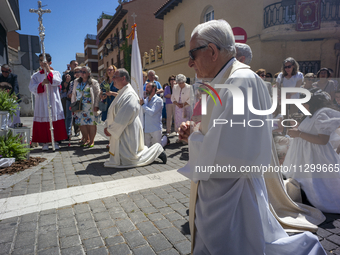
(125, 128)
(229, 212)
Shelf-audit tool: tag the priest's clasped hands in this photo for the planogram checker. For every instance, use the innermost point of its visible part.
(184, 131)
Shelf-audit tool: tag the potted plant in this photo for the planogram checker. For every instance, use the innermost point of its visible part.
(8, 107)
(11, 149)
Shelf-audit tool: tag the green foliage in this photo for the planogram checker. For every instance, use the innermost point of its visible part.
(8, 102)
(127, 49)
(103, 16)
(106, 86)
(11, 147)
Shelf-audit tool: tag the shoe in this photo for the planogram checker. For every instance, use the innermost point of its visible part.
(76, 134)
(167, 134)
(163, 157)
(90, 145)
(56, 146)
(45, 147)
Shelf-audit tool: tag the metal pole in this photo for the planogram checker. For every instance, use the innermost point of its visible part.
(40, 12)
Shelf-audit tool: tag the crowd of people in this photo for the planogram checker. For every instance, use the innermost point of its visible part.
(236, 208)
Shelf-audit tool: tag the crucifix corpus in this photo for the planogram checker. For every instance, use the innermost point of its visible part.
(41, 28)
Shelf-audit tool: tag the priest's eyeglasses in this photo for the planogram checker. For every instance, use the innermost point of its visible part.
(191, 55)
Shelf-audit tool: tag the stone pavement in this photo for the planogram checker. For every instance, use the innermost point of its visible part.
(143, 217)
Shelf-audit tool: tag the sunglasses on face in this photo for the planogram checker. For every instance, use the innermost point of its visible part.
(196, 49)
(262, 75)
(199, 48)
(3, 71)
(290, 66)
(77, 72)
(172, 79)
(84, 72)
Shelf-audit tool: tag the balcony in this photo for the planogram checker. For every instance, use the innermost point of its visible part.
(90, 37)
(278, 14)
(279, 22)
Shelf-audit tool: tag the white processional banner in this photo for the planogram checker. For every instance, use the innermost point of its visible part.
(136, 70)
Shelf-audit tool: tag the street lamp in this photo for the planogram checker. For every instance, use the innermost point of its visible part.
(108, 44)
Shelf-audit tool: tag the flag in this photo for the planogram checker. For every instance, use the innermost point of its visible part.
(136, 68)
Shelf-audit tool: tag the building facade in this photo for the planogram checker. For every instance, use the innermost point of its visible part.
(9, 21)
(114, 48)
(270, 27)
(23, 60)
(91, 54)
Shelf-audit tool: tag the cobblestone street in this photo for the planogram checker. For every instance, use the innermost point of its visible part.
(97, 210)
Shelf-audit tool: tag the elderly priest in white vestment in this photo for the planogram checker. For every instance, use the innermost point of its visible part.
(125, 129)
(229, 212)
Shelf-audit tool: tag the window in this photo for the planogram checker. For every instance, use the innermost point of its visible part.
(180, 34)
(209, 14)
(94, 52)
(180, 37)
(309, 66)
(101, 55)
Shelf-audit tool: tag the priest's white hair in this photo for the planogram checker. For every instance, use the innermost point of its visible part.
(217, 32)
(180, 78)
(243, 49)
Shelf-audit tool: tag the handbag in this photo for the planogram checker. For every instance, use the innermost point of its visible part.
(102, 106)
(77, 106)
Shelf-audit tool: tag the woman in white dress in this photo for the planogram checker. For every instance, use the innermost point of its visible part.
(311, 158)
(182, 97)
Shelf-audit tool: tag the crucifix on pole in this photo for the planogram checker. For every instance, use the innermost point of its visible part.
(134, 17)
(41, 28)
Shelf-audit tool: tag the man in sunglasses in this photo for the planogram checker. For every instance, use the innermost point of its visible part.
(6, 75)
(228, 210)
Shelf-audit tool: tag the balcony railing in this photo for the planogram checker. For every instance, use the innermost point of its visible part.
(91, 37)
(179, 45)
(279, 14)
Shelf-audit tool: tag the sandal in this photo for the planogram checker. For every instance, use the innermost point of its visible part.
(84, 144)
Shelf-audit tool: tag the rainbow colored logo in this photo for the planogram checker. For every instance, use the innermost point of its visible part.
(204, 97)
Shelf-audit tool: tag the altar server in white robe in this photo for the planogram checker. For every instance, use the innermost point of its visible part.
(125, 129)
(41, 125)
(229, 213)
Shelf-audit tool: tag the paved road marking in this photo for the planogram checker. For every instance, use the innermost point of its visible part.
(20, 205)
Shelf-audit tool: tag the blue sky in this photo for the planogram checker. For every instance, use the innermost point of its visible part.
(66, 26)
